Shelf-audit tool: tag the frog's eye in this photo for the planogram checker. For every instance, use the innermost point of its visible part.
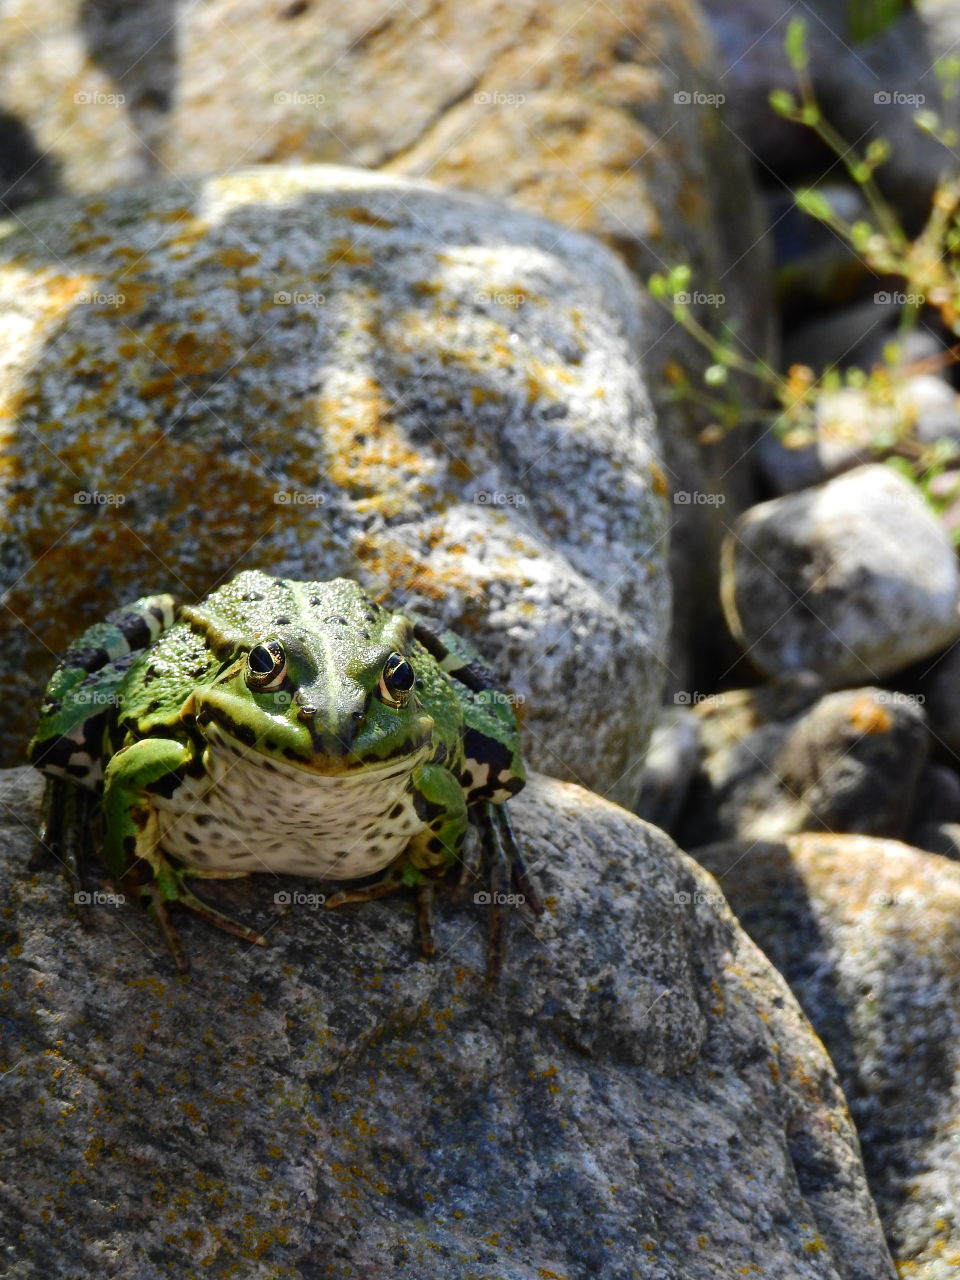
(396, 681)
(266, 666)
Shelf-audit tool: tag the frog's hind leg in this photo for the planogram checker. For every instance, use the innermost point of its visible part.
(398, 877)
(167, 885)
(506, 869)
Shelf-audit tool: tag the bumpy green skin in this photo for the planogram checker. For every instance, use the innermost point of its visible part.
(157, 710)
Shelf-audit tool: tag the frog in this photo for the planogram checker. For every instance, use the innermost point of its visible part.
(298, 728)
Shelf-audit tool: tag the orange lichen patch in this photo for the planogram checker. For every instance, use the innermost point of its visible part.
(660, 484)
(66, 538)
(173, 215)
(84, 244)
(345, 251)
(483, 395)
(369, 457)
(867, 717)
(364, 216)
(236, 258)
(57, 293)
(132, 295)
(389, 559)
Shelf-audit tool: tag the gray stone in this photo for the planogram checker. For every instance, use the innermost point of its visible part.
(854, 579)
(669, 765)
(853, 761)
(643, 1097)
(323, 372)
(867, 932)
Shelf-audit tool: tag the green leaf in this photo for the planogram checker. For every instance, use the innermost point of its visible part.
(715, 375)
(796, 44)
(860, 234)
(878, 152)
(783, 103)
(657, 285)
(815, 203)
(928, 121)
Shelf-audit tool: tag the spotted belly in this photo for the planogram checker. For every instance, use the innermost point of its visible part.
(253, 813)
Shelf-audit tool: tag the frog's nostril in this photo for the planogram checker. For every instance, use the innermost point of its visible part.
(306, 710)
(357, 715)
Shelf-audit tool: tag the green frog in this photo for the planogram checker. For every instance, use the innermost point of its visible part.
(298, 728)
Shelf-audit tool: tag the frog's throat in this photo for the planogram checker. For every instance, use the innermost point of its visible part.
(339, 768)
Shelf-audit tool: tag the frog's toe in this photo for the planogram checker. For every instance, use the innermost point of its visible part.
(390, 883)
(425, 938)
(506, 869)
(158, 899)
(218, 920)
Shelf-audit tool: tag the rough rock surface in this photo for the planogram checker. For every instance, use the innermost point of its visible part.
(642, 1099)
(601, 117)
(853, 761)
(867, 932)
(323, 372)
(854, 579)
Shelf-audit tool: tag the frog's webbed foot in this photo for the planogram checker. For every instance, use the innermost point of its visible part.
(391, 882)
(509, 883)
(65, 838)
(167, 885)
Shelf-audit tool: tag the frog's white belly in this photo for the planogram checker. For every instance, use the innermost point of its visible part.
(254, 813)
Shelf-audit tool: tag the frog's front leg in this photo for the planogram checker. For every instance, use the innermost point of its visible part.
(439, 801)
(132, 834)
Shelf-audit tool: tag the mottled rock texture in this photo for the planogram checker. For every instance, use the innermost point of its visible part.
(643, 1098)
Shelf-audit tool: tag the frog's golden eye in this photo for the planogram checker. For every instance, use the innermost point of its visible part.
(396, 681)
(266, 666)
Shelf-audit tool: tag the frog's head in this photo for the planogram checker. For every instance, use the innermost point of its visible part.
(335, 694)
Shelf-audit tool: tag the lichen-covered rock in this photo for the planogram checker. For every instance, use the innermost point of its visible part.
(605, 119)
(323, 372)
(867, 932)
(643, 1097)
(854, 579)
(851, 761)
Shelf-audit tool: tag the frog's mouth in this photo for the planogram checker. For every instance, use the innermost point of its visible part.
(301, 746)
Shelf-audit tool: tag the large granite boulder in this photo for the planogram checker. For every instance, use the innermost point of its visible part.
(641, 1098)
(867, 932)
(322, 372)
